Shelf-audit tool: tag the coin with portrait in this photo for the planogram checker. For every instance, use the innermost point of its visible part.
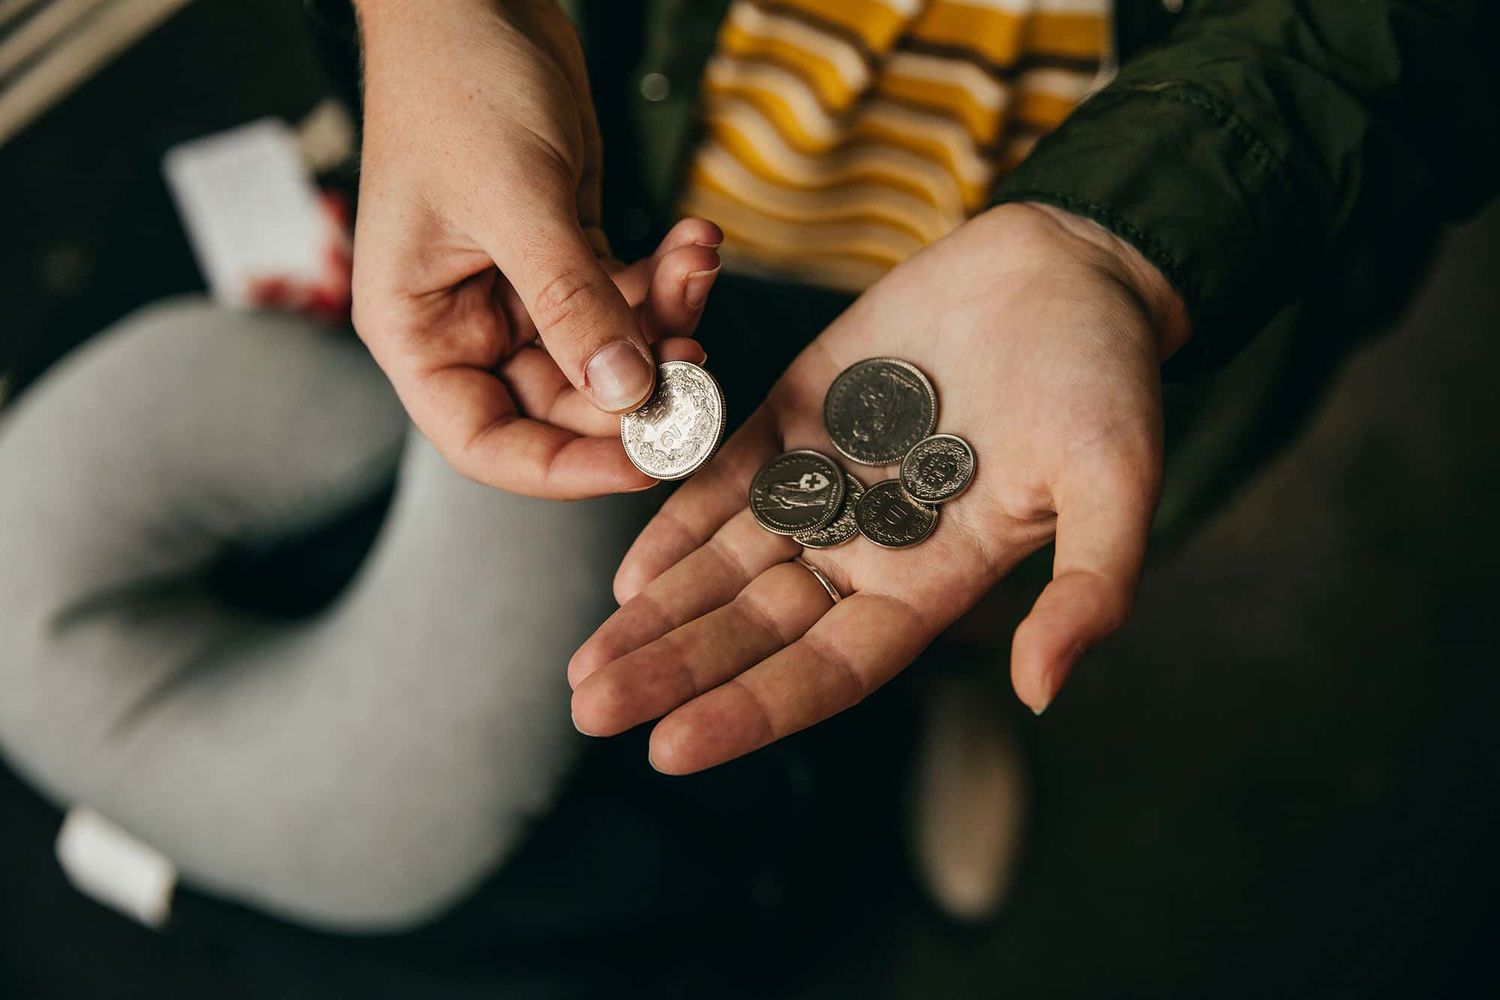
(796, 492)
(890, 518)
(877, 409)
(675, 431)
(938, 468)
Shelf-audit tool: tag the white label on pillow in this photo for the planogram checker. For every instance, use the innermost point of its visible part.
(250, 209)
(114, 868)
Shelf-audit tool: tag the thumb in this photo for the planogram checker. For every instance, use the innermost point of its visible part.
(1101, 546)
(582, 319)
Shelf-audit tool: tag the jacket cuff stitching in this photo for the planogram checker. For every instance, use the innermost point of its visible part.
(1186, 93)
(1149, 246)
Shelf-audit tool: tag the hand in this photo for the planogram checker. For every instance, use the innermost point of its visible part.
(478, 235)
(1043, 335)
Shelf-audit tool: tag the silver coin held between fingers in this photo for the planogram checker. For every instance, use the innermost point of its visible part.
(890, 518)
(797, 492)
(877, 409)
(675, 431)
(938, 469)
(842, 527)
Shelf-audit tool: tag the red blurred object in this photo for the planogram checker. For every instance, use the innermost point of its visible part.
(329, 299)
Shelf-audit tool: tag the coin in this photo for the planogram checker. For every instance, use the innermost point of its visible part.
(877, 409)
(938, 469)
(842, 527)
(890, 518)
(675, 431)
(797, 492)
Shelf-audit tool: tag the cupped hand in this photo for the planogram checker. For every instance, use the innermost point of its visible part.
(1043, 335)
(482, 285)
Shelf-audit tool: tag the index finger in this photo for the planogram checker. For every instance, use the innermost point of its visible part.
(700, 507)
(1102, 532)
(470, 417)
(858, 645)
(579, 313)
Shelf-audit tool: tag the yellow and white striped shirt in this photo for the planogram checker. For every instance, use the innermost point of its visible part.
(843, 135)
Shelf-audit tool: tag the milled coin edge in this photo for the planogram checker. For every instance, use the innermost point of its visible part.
(718, 433)
(973, 470)
(900, 363)
(936, 514)
(835, 507)
(849, 503)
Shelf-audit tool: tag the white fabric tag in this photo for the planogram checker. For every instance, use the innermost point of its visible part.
(250, 209)
(114, 868)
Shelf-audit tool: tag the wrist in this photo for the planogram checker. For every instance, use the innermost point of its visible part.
(375, 9)
(1165, 310)
(374, 15)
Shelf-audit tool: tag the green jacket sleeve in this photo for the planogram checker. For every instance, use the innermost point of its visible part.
(1237, 154)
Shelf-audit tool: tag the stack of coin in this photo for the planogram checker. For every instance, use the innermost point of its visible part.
(806, 495)
(880, 411)
(674, 432)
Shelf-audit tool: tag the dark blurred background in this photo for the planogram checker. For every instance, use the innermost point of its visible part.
(1280, 780)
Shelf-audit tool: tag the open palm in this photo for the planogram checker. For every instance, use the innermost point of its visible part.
(1043, 336)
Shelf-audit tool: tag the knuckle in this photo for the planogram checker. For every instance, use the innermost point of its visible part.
(563, 299)
(756, 615)
(464, 460)
(359, 318)
(369, 319)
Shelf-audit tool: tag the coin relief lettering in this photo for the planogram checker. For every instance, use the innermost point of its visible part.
(679, 427)
(938, 469)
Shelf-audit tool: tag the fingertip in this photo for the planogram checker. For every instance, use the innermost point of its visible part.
(680, 349)
(587, 659)
(693, 231)
(696, 286)
(666, 750)
(607, 644)
(686, 273)
(594, 706)
(1038, 666)
(1075, 611)
(679, 290)
(581, 730)
(686, 261)
(629, 581)
(713, 235)
(619, 377)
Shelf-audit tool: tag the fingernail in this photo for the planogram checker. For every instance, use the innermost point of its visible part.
(618, 377)
(577, 726)
(695, 291)
(1052, 680)
(716, 241)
